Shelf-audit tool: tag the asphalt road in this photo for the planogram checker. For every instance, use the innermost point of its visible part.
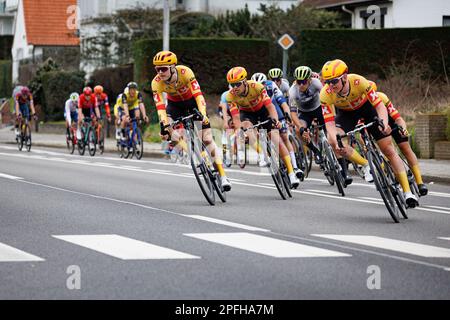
(101, 227)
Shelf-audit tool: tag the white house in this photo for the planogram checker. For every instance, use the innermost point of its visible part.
(42, 25)
(364, 14)
(8, 9)
(91, 9)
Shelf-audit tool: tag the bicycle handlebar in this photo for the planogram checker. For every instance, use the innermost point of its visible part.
(259, 124)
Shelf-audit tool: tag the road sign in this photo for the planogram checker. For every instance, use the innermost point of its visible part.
(286, 41)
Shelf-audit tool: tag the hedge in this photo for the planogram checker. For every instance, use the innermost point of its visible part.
(57, 87)
(210, 59)
(369, 51)
(113, 80)
(5, 78)
(5, 47)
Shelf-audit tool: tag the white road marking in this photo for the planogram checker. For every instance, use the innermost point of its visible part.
(10, 254)
(412, 248)
(129, 167)
(372, 199)
(439, 194)
(227, 223)
(124, 248)
(7, 176)
(267, 246)
(437, 207)
(444, 238)
(320, 191)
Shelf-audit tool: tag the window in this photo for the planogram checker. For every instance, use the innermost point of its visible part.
(446, 21)
(2, 6)
(369, 18)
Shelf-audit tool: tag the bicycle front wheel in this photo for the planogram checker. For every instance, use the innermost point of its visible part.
(202, 176)
(274, 169)
(382, 185)
(28, 137)
(334, 168)
(92, 146)
(138, 144)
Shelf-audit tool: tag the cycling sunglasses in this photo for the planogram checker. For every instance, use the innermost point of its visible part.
(302, 82)
(237, 84)
(161, 69)
(333, 81)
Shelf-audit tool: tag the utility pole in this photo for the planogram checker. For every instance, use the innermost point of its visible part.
(166, 26)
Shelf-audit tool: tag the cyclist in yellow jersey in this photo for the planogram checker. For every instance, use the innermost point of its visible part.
(132, 105)
(183, 96)
(401, 138)
(249, 104)
(345, 99)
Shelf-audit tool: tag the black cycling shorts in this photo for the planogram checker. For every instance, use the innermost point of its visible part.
(179, 109)
(255, 117)
(347, 120)
(309, 116)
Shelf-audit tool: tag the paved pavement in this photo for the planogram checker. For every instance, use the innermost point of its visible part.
(432, 170)
(80, 227)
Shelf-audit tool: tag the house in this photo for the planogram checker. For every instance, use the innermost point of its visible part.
(105, 54)
(43, 29)
(8, 9)
(367, 14)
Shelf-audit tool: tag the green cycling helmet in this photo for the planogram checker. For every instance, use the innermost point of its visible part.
(302, 73)
(275, 73)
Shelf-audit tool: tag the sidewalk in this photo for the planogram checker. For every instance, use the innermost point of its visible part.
(432, 170)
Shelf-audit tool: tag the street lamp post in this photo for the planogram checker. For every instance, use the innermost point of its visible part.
(166, 26)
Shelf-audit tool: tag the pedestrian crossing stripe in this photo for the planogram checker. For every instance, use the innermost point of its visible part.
(265, 245)
(412, 248)
(10, 254)
(124, 248)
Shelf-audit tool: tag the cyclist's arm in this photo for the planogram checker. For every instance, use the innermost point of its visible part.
(235, 117)
(67, 111)
(16, 106)
(33, 111)
(223, 107)
(125, 105)
(107, 107)
(198, 95)
(328, 111)
(96, 107)
(376, 101)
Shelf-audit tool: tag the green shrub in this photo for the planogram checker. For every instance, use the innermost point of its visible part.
(209, 58)
(57, 86)
(113, 80)
(5, 78)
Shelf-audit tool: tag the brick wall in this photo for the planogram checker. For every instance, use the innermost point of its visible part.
(442, 150)
(430, 128)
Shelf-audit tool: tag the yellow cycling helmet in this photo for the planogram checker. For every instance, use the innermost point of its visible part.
(373, 85)
(333, 69)
(164, 58)
(236, 74)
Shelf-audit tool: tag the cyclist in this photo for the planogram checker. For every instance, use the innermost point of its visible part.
(401, 138)
(87, 105)
(224, 111)
(71, 112)
(354, 98)
(249, 103)
(282, 108)
(23, 103)
(304, 100)
(103, 102)
(276, 75)
(183, 96)
(118, 114)
(133, 106)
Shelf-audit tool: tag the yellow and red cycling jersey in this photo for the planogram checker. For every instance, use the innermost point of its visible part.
(253, 101)
(184, 89)
(359, 93)
(392, 111)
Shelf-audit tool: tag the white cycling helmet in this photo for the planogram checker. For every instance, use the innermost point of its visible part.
(74, 96)
(259, 77)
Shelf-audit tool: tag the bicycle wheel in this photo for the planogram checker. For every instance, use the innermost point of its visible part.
(241, 149)
(92, 145)
(382, 185)
(298, 158)
(396, 189)
(214, 176)
(334, 168)
(274, 169)
(101, 141)
(202, 176)
(138, 144)
(286, 181)
(20, 141)
(28, 137)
